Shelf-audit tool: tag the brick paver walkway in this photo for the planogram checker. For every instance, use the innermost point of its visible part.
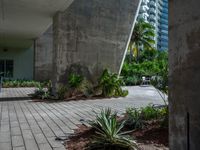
(27, 125)
(15, 93)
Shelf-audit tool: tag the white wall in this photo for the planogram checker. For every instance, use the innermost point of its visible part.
(23, 62)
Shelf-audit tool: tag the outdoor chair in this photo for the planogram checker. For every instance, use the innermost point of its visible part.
(146, 80)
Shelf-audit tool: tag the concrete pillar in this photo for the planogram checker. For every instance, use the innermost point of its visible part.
(43, 56)
(184, 94)
(92, 35)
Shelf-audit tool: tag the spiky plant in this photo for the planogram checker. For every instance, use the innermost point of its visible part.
(108, 134)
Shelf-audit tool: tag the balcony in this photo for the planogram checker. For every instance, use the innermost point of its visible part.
(144, 9)
(145, 2)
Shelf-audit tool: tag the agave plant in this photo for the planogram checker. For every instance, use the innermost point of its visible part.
(134, 118)
(108, 134)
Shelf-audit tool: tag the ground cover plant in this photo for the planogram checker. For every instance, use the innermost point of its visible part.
(78, 87)
(19, 83)
(43, 91)
(108, 85)
(138, 118)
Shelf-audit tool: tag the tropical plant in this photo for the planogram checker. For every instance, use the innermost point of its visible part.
(151, 63)
(137, 118)
(134, 119)
(150, 113)
(42, 92)
(61, 92)
(111, 84)
(108, 134)
(142, 36)
(75, 80)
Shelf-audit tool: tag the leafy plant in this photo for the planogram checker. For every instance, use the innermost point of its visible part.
(61, 92)
(7, 83)
(75, 80)
(108, 134)
(111, 84)
(142, 36)
(138, 118)
(150, 113)
(42, 92)
(134, 119)
(151, 63)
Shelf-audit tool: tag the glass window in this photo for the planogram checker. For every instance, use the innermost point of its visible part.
(6, 68)
(2, 68)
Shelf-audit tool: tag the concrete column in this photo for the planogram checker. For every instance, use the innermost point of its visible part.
(92, 35)
(43, 56)
(184, 96)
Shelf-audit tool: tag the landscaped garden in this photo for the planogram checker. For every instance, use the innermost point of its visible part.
(138, 127)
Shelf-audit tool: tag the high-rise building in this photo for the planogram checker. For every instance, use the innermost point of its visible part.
(156, 13)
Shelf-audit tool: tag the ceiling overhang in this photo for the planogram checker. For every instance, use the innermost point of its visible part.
(21, 21)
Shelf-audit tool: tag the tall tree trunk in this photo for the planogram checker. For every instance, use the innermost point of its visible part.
(138, 52)
(131, 53)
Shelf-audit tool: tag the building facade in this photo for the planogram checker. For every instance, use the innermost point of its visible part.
(156, 13)
(46, 40)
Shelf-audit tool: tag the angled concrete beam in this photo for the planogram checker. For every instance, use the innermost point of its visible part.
(92, 35)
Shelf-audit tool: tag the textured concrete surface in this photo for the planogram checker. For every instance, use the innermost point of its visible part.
(43, 56)
(184, 74)
(28, 125)
(90, 36)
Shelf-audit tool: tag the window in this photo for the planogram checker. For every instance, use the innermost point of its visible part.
(6, 68)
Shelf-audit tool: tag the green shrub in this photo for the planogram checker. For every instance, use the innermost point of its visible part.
(61, 92)
(75, 80)
(42, 92)
(19, 83)
(132, 80)
(134, 119)
(111, 84)
(149, 113)
(108, 134)
(137, 118)
(151, 63)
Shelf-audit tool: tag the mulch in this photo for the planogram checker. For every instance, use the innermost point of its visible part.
(151, 135)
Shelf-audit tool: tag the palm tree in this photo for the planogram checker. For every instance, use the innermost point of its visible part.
(142, 36)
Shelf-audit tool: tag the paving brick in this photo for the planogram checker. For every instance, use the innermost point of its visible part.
(60, 148)
(31, 145)
(45, 146)
(5, 137)
(54, 143)
(40, 138)
(27, 134)
(15, 131)
(5, 146)
(17, 141)
(19, 148)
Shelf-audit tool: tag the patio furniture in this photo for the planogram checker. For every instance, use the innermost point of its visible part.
(146, 80)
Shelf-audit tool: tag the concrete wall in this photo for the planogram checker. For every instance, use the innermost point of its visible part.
(184, 96)
(91, 36)
(23, 62)
(43, 56)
